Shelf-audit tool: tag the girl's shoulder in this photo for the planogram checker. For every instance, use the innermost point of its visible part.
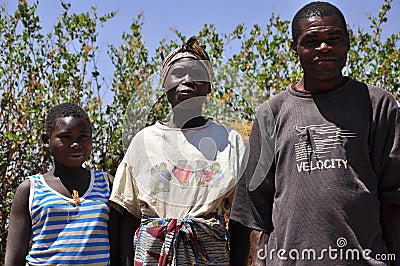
(107, 177)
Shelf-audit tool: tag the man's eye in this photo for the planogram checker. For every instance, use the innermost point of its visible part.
(310, 42)
(334, 39)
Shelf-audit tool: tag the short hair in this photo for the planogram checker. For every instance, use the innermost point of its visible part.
(64, 110)
(316, 9)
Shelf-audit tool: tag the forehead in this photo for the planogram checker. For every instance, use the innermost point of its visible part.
(321, 25)
(188, 64)
(70, 122)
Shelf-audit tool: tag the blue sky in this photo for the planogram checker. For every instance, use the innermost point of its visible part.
(161, 16)
(189, 16)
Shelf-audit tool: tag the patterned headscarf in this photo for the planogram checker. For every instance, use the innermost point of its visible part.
(190, 49)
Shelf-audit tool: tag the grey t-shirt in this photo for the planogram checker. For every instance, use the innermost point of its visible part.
(336, 156)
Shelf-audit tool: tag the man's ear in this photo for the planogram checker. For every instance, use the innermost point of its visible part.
(293, 47)
(45, 139)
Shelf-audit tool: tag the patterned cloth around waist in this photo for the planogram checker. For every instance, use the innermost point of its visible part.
(187, 241)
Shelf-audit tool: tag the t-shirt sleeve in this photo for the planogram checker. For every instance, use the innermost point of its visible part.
(124, 191)
(253, 199)
(387, 140)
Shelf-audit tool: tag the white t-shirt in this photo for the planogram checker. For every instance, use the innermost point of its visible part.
(176, 173)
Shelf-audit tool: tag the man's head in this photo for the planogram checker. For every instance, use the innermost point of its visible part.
(321, 42)
(316, 9)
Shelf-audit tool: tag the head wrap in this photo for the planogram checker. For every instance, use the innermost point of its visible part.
(190, 49)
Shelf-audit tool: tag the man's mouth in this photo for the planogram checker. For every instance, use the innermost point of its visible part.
(324, 59)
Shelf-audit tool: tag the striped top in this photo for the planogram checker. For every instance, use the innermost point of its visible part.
(64, 233)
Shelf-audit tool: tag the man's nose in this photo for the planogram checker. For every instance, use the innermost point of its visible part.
(324, 47)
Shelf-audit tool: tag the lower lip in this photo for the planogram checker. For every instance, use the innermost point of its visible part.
(76, 156)
(324, 61)
(187, 93)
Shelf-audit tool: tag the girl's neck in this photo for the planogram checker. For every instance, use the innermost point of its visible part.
(63, 172)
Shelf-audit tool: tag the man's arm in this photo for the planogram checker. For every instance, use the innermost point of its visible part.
(390, 220)
(258, 247)
(254, 194)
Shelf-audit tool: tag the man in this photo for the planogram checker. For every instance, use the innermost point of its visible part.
(331, 193)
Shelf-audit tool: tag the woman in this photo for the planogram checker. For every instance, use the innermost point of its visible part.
(176, 181)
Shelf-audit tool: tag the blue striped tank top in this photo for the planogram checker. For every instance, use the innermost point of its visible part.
(64, 233)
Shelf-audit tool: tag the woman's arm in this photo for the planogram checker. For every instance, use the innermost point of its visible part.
(128, 226)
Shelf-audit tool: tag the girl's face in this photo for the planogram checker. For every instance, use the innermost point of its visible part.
(70, 142)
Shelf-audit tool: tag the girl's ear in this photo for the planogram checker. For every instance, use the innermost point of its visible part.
(45, 139)
(293, 47)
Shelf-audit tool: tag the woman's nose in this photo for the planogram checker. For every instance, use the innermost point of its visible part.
(187, 78)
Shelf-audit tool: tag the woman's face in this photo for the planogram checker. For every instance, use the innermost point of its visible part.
(186, 79)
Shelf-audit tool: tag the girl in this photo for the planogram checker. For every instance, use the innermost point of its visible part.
(66, 209)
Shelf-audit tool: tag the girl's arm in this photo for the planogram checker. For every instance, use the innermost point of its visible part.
(19, 232)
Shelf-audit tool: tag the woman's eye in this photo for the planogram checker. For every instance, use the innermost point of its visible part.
(177, 73)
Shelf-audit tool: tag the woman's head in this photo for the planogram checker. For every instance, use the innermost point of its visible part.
(186, 72)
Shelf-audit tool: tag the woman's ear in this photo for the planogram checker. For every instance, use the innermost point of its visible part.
(45, 139)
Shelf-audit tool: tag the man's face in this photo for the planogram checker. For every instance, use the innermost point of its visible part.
(322, 47)
(186, 79)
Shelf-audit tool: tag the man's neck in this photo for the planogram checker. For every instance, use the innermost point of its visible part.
(320, 86)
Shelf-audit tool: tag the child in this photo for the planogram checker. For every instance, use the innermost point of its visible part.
(65, 210)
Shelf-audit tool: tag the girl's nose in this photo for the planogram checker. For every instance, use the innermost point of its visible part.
(75, 145)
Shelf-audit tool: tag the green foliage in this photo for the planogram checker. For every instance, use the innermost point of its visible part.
(375, 60)
(39, 70)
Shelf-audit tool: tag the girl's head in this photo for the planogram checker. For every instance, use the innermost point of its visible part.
(68, 135)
